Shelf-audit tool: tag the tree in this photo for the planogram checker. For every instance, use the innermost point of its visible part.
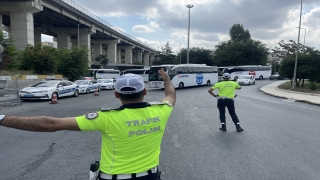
(241, 49)
(197, 56)
(40, 59)
(9, 60)
(166, 56)
(289, 49)
(238, 34)
(308, 67)
(73, 64)
(102, 59)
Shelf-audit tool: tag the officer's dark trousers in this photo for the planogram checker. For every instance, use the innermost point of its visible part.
(229, 103)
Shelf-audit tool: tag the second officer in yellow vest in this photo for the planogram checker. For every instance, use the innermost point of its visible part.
(225, 99)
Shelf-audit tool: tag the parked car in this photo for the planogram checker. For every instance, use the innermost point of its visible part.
(246, 80)
(87, 86)
(106, 83)
(276, 76)
(45, 89)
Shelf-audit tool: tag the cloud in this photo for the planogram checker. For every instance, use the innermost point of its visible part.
(210, 20)
(142, 29)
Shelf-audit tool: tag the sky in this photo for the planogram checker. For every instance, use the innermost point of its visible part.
(156, 22)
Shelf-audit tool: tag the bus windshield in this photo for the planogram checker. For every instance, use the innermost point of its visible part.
(153, 73)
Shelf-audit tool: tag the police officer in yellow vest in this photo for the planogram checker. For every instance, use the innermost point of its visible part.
(225, 99)
(131, 134)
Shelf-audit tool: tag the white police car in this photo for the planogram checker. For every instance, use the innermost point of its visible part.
(45, 89)
(106, 83)
(246, 80)
(87, 86)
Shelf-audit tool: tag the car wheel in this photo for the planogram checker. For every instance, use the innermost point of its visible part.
(208, 83)
(261, 77)
(181, 85)
(254, 82)
(113, 87)
(99, 89)
(88, 91)
(76, 93)
(271, 79)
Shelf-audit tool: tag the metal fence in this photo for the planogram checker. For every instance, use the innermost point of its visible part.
(9, 92)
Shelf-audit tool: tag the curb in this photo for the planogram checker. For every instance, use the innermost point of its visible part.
(304, 101)
(311, 94)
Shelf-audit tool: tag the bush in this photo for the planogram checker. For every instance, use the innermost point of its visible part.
(312, 85)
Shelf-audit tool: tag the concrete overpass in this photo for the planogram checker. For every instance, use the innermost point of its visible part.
(70, 24)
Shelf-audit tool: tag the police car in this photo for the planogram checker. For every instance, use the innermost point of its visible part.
(45, 89)
(246, 80)
(106, 83)
(87, 86)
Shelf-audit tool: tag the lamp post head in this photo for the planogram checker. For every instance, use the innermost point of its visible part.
(189, 6)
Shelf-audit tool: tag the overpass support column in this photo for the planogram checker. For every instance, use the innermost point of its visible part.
(152, 59)
(119, 55)
(85, 41)
(37, 37)
(112, 50)
(97, 50)
(64, 40)
(21, 20)
(128, 54)
(139, 56)
(146, 58)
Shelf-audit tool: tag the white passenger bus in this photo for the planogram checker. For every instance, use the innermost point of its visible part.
(261, 72)
(144, 73)
(107, 73)
(220, 73)
(184, 75)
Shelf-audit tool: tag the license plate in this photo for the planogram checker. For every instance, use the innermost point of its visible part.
(28, 95)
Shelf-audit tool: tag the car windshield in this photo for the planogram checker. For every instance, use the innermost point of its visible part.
(105, 81)
(81, 82)
(45, 84)
(244, 77)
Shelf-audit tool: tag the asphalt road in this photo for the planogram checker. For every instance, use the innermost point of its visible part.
(281, 139)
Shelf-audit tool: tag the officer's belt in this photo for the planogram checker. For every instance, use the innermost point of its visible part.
(224, 98)
(127, 176)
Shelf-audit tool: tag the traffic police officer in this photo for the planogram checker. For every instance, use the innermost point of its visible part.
(131, 134)
(225, 99)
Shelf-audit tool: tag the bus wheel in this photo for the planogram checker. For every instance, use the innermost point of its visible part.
(261, 77)
(181, 85)
(208, 83)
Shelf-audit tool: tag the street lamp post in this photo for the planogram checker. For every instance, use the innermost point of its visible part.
(189, 6)
(297, 51)
(180, 53)
(304, 39)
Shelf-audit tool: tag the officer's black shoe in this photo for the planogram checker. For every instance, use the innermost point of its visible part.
(239, 129)
(223, 127)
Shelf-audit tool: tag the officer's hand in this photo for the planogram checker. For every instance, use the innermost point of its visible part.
(163, 74)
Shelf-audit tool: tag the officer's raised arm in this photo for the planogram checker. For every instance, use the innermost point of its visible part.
(169, 90)
(39, 123)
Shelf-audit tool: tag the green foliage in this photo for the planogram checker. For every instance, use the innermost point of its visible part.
(238, 34)
(289, 49)
(312, 85)
(73, 64)
(40, 59)
(308, 67)
(102, 59)
(235, 53)
(166, 56)
(9, 53)
(196, 56)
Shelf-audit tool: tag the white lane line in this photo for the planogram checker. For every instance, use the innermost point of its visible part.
(282, 103)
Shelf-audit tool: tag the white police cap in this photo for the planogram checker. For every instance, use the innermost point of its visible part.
(129, 81)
